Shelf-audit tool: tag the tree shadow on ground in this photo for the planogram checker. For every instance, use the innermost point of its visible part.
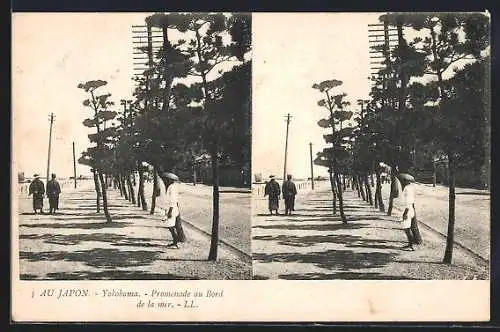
(99, 258)
(89, 225)
(58, 214)
(299, 215)
(259, 277)
(79, 199)
(110, 206)
(114, 217)
(341, 276)
(184, 260)
(472, 193)
(111, 274)
(314, 227)
(71, 208)
(307, 241)
(393, 228)
(319, 209)
(366, 217)
(75, 239)
(350, 241)
(343, 260)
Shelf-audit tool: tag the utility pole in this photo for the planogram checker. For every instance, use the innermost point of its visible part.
(50, 143)
(311, 158)
(74, 163)
(287, 119)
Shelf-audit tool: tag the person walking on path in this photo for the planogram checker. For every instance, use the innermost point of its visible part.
(171, 205)
(408, 196)
(38, 190)
(272, 190)
(289, 191)
(53, 191)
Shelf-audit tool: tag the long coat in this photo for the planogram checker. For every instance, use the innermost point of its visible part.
(38, 190)
(53, 189)
(272, 190)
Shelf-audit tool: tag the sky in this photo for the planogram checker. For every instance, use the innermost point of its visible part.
(291, 52)
(51, 54)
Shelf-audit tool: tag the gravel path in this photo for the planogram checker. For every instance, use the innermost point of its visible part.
(77, 243)
(314, 244)
(234, 214)
(472, 214)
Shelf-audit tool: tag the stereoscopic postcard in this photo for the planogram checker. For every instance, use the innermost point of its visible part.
(250, 167)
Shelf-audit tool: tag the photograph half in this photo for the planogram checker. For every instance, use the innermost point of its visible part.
(371, 146)
(132, 145)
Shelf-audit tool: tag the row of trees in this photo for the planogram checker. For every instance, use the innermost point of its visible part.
(169, 122)
(432, 99)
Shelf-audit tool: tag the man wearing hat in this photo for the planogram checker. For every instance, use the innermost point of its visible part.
(408, 196)
(272, 190)
(171, 205)
(53, 191)
(38, 190)
(289, 191)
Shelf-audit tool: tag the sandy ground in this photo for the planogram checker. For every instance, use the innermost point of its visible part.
(314, 244)
(77, 243)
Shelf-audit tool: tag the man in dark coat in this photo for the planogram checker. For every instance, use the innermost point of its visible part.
(272, 190)
(53, 191)
(289, 191)
(38, 190)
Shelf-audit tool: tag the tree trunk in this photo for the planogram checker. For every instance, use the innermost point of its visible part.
(341, 201)
(104, 198)
(118, 184)
(124, 187)
(392, 195)
(155, 190)
(378, 192)
(361, 188)
(343, 182)
(214, 241)
(141, 197)
(417, 237)
(139, 203)
(371, 180)
(97, 191)
(368, 190)
(355, 185)
(334, 196)
(448, 253)
(131, 189)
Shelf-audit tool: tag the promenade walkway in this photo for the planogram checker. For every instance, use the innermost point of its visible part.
(314, 244)
(78, 243)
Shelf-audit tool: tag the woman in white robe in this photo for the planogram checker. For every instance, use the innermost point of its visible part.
(171, 205)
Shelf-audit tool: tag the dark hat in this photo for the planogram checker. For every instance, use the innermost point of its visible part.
(171, 176)
(406, 176)
(36, 175)
(271, 176)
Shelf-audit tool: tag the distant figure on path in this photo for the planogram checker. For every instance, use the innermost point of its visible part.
(38, 190)
(289, 191)
(272, 190)
(171, 205)
(53, 191)
(408, 196)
